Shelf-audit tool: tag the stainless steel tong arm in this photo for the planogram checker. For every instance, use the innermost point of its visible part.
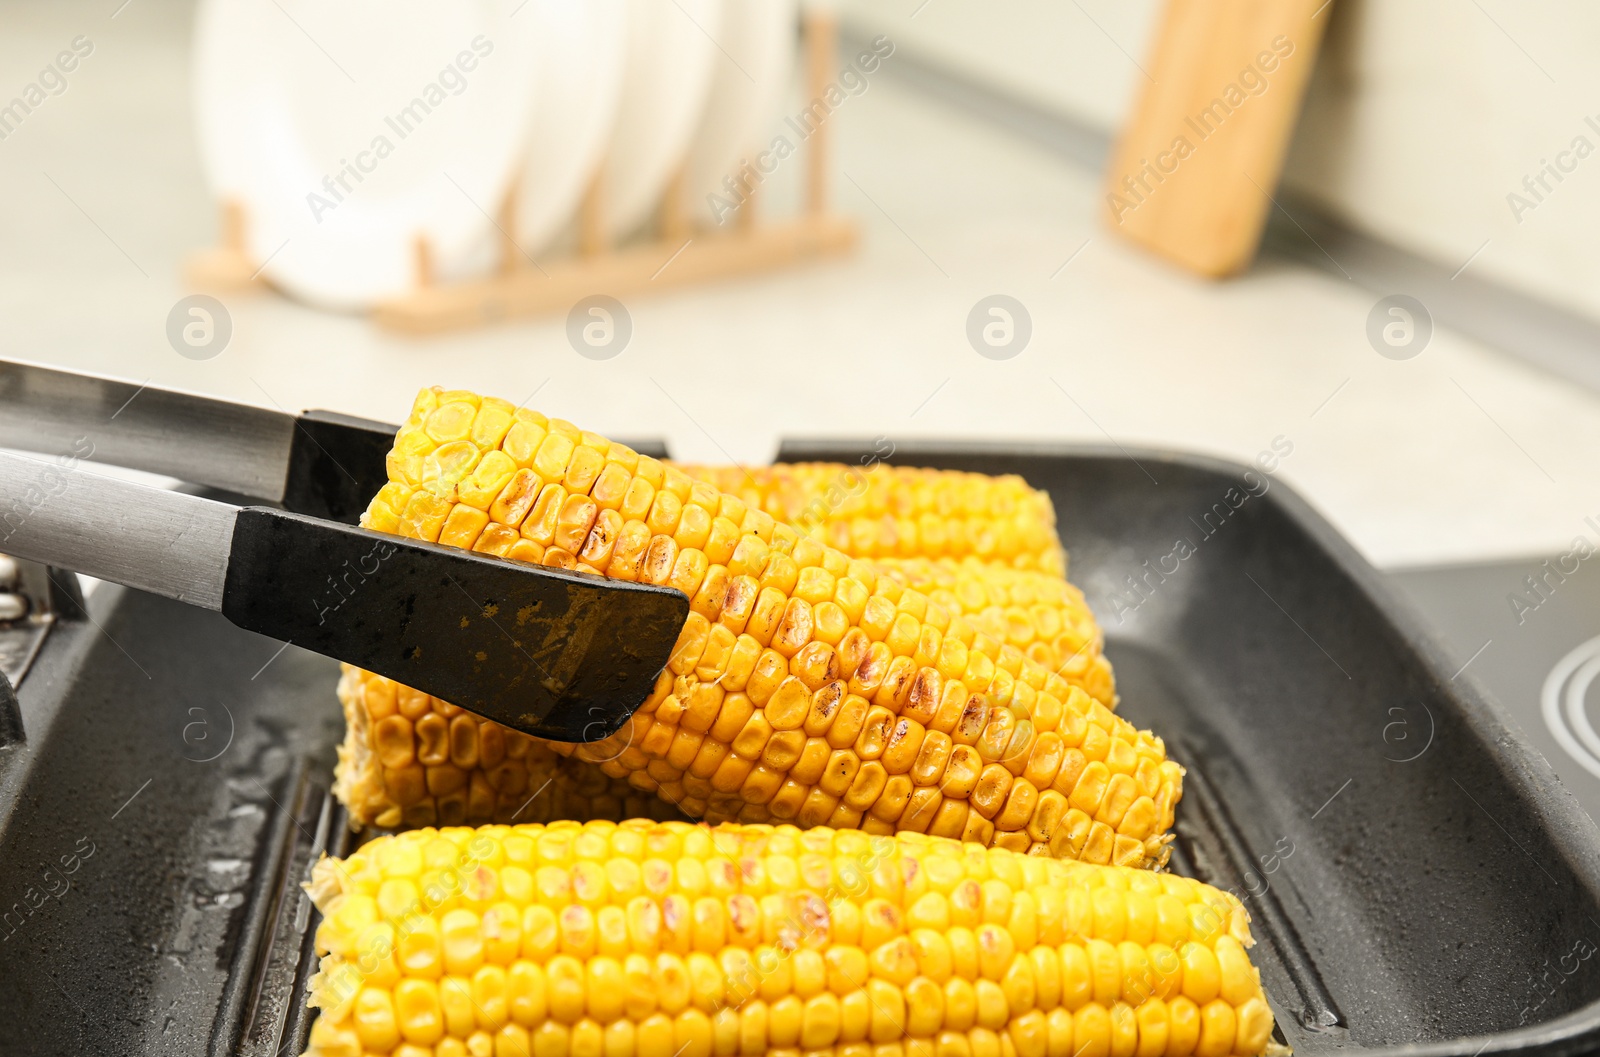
(208, 442)
(55, 511)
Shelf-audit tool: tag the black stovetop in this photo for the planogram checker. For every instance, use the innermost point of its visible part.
(1535, 646)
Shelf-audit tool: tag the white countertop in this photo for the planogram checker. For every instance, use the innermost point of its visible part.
(1458, 454)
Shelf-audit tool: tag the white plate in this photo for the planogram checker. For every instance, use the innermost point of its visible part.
(224, 35)
(670, 51)
(350, 129)
(582, 47)
(747, 86)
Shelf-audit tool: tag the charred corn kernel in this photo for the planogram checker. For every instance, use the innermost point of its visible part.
(883, 511)
(758, 939)
(937, 697)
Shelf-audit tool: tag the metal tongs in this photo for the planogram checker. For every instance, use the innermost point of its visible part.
(562, 655)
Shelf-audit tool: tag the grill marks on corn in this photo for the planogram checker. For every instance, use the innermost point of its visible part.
(668, 939)
(806, 685)
(884, 511)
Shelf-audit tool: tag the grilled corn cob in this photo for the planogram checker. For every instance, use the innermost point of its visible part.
(672, 940)
(409, 759)
(410, 769)
(918, 523)
(883, 511)
(805, 685)
(1039, 613)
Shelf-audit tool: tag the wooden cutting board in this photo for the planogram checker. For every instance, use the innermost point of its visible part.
(1192, 171)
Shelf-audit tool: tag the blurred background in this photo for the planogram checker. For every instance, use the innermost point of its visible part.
(371, 198)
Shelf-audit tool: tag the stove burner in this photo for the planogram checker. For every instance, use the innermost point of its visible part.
(1538, 668)
(1563, 699)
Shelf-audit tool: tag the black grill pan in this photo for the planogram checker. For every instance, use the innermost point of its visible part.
(1420, 882)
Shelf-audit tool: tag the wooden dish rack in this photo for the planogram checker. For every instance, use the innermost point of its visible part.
(677, 253)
